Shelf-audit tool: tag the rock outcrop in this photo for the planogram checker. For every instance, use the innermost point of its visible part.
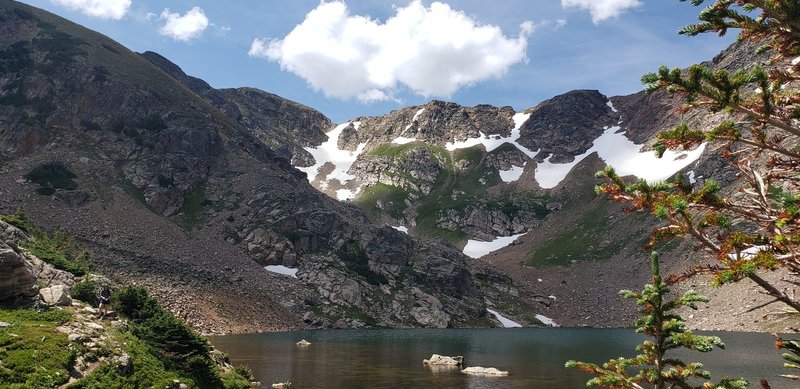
(17, 279)
(566, 125)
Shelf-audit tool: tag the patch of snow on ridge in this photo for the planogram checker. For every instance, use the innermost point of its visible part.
(414, 119)
(625, 156)
(491, 142)
(347, 194)
(329, 151)
(401, 229)
(546, 321)
(512, 174)
(611, 105)
(506, 322)
(401, 140)
(280, 269)
(477, 248)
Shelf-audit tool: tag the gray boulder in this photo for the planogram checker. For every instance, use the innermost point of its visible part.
(56, 295)
(16, 275)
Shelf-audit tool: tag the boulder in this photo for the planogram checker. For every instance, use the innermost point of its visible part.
(48, 275)
(16, 275)
(437, 359)
(56, 295)
(303, 343)
(485, 371)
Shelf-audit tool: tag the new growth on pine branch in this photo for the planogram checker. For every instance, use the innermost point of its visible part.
(755, 227)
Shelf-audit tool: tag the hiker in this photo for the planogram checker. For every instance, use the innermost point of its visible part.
(105, 299)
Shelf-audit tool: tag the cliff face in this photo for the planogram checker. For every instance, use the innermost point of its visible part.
(190, 191)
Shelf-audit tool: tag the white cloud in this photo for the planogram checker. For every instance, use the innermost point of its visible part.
(602, 9)
(433, 51)
(186, 27)
(102, 9)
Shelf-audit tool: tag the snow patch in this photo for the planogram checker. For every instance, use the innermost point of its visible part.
(346, 194)
(401, 229)
(491, 142)
(512, 174)
(506, 322)
(625, 156)
(342, 160)
(477, 248)
(611, 105)
(280, 269)
(546, 320)
(414, 119)
(401, 140)
(690, 175)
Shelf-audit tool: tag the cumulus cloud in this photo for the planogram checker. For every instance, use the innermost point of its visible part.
(186, 27)
(433, 51)
(102, 9)
(602, 9)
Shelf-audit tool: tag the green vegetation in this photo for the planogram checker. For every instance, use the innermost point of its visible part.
(178, 346)
(668, 332)
(580, 243)
(85, 291)
(392, 197)
(60, 250)
(33, 353)
(51, 176)
(133, 191)
(59, 46)
(192, 208)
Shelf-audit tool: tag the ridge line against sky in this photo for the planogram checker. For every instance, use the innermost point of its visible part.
(360, 57)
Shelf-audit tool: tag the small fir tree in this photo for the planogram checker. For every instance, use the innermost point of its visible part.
(668, 332)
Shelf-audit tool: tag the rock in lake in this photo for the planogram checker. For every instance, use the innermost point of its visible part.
(437, 359)
(485, 371)
(303, 343)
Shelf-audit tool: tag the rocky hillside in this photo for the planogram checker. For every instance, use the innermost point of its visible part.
(188, 191)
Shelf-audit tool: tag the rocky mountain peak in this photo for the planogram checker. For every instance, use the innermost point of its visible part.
(566, 125)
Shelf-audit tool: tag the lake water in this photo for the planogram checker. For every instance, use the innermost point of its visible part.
(534, 357)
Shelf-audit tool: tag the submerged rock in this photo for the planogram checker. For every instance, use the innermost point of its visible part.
(485, 371)
(303, 343)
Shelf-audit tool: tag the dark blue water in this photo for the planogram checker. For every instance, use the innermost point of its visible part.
(534, 357)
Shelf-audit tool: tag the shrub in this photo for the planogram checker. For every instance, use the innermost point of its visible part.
(51, 176)
(178, 345)
(85, 291)
(61, 250)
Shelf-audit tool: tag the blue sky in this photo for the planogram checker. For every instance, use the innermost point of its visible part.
(360, 57)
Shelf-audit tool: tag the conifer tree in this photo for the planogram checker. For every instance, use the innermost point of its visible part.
(668, 332)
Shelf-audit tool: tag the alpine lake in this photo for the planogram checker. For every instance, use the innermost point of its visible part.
(534, 357)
